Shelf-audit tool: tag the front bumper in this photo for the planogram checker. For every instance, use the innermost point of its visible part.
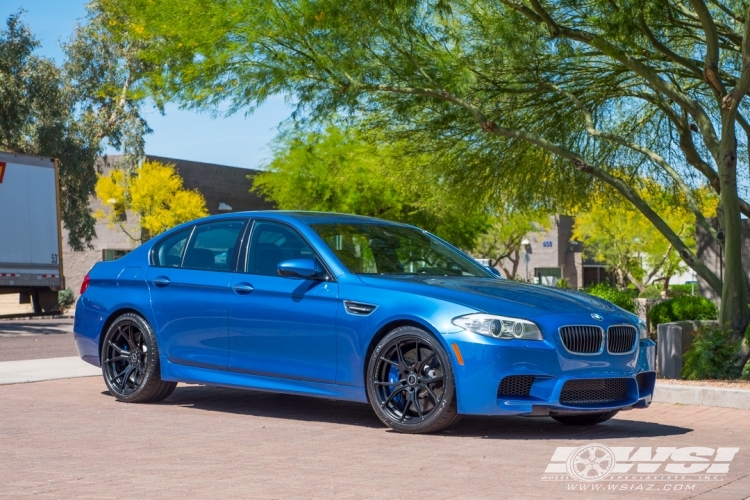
(486, 362)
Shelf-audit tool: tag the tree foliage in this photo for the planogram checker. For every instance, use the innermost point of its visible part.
(616, 233)
(153, 193)
(338, 170)
(610, 91)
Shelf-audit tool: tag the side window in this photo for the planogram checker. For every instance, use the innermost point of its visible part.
(213, 245)
(168, 252)
(272, 243)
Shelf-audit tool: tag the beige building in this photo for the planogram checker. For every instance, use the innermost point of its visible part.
(553, 254)
(226, 189)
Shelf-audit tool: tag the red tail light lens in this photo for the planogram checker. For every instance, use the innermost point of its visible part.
(85, 284)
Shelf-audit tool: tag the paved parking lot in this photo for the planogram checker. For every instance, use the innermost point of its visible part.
(36, 339)
(70, 439)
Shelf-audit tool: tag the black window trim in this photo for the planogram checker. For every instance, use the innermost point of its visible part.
(242, 264)
(232, 266)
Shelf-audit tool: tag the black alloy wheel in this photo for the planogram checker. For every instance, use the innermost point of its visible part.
(585, 418)
(410, 382)
(130, 361)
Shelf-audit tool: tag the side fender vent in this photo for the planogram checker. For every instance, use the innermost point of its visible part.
(358, 308)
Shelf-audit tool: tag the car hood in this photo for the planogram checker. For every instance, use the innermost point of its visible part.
(496, 296)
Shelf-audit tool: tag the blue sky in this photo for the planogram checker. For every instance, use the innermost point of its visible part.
(237, 140)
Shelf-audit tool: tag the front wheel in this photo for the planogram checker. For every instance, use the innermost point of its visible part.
(130, 361)
(410, 382)
(586, 418)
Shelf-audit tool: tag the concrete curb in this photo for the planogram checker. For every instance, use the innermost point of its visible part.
(37, 370)
(703, 396)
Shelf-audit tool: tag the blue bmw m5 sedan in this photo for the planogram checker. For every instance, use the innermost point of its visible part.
(359, 309)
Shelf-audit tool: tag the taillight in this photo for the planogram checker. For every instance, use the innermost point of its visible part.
(85, 284)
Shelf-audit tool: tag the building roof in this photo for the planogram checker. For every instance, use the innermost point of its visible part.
(219, 184)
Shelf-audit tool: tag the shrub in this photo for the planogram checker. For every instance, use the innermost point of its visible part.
(651, 292)
(684, 308)
(679, 290)
(621, 298)
(65, 299)
(562, 283)
(713, 355)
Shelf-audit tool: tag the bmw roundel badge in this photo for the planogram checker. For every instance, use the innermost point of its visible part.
(596, 316)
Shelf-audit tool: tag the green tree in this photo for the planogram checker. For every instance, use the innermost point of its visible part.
(64, 112)
(615, 233)
(613, 91)
(153, 193)
(501, 243)
(337, 170)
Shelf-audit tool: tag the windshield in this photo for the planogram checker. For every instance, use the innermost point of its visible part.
(395, 250)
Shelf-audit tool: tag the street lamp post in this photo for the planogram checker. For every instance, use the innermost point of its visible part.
(527, 255)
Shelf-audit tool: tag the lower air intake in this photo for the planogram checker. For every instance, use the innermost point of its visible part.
(598, 390)
(515, 385)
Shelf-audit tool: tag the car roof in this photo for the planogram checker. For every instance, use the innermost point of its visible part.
(310, 217)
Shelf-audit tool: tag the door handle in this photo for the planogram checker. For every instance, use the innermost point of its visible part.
(243, 288)
(161, 281)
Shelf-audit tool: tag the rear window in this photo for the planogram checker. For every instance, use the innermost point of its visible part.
(213, 245)
(168, 252)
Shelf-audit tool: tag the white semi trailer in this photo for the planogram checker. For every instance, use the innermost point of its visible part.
(30, 239)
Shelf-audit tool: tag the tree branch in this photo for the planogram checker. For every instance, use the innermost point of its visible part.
(646, 72)
(711, 62)
(580, 164)
(651, 155)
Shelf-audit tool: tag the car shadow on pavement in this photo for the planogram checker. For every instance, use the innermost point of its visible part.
(302, 408)
(61, 326)
(529, 428)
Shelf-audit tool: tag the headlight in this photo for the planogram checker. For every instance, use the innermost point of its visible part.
(642, 329)
(499, 327)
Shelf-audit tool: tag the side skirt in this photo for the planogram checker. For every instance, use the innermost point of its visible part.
(194, 375)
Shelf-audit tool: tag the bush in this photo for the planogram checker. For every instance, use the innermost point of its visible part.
(651, 292)
(65, 299)
(563, 283)
(621, 298)
(713, 355)
(684, 308)
(680, 290)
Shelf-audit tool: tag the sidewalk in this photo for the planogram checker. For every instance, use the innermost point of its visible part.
(37, 370)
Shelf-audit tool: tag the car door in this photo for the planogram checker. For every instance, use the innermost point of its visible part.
(189, 286)
(279, 326)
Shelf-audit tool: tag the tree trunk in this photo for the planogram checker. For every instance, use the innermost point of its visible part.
(665, 288)
(515, 264)
(734, 312)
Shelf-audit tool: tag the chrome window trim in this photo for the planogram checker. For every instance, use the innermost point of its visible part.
(601, 343)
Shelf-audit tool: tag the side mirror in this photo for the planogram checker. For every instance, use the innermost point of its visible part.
(298, 268)
(495, 272)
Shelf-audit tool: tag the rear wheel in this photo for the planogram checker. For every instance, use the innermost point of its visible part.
(130, 361)
(586, 418)
(410, 382)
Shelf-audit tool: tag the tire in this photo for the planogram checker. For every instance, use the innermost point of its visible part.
(586, 419)
(410, 382)
(130, 362)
